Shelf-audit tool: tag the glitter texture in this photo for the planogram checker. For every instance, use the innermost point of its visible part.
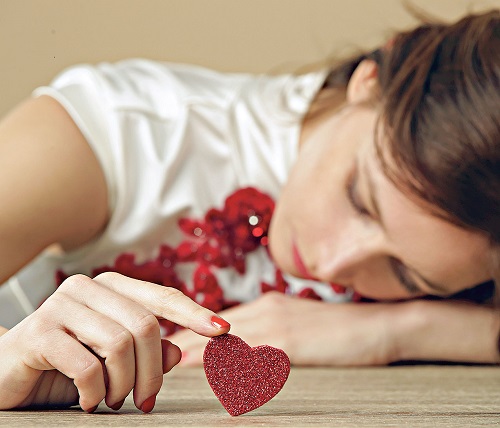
(244, 378)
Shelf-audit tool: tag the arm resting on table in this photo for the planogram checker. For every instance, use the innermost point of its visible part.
(446, 331)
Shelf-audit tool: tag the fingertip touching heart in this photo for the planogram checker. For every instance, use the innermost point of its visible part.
(244, 378)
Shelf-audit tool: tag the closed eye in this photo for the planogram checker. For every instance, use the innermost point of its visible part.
(352, 192)
(401, 274)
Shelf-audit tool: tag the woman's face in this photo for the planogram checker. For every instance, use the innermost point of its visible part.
(340, 220)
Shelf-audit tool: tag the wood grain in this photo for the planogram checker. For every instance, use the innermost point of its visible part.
(418, 396)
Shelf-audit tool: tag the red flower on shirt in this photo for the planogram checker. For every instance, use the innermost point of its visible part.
(225, 236)
(221, 239)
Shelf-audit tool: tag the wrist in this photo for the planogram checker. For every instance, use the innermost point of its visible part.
(405, 323)
(445, 331)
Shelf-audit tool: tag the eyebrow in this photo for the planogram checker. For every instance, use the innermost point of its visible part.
(435, 288)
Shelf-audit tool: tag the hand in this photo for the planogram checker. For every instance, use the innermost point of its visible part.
(310, 332)
(96, 339)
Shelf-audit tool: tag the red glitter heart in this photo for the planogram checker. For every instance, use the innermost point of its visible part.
(244, 378)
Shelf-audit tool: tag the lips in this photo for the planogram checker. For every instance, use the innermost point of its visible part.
(299, 264)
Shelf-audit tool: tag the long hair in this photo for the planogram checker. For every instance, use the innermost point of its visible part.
(440, 113)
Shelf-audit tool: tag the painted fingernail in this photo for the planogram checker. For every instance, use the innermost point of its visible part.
(117, 406)
(148, 404)
(219, 322)
(92, 409)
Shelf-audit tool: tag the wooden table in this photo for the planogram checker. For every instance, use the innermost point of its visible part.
(417, 396)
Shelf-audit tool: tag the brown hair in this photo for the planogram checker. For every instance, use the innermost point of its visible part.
(440, 112)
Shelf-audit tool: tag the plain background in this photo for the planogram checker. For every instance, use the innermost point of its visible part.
(39, 38)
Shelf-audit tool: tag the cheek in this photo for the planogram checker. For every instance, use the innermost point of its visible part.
(376, 280)
(278, 239)
(383, 290)
(309, 217)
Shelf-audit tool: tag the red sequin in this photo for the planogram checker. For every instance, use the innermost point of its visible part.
(221, 239)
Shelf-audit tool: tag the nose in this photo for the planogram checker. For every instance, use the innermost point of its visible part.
(340, 259)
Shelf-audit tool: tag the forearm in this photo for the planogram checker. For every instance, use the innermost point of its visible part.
(3, 330)
(445, 331)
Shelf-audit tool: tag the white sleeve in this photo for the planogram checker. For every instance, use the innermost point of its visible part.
(131, 114)
(80, 91)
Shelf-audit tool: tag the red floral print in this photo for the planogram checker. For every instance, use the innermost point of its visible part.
(221, 239)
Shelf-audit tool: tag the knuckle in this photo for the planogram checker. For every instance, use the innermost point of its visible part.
(73, 281)
(170, 298)
(154, 382)
(122, 343)
(146, 326)
(198, 311)
(108, 277)
(89, 373)
(170, 294)
(89, 381)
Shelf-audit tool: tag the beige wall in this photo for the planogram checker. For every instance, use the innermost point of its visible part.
(40, 37)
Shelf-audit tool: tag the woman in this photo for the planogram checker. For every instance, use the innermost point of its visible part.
(170, 174)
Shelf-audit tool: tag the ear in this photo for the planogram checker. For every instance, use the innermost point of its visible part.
(363, 83)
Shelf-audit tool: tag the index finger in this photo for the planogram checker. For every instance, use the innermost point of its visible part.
(166, 302)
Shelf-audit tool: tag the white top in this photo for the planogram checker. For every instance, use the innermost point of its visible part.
(174, 141)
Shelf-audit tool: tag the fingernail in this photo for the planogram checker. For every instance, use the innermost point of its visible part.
(92, 409)
(219, 322)
(117, 406)
(148, 404)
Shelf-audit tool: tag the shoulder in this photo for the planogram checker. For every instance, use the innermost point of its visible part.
(136, 83)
